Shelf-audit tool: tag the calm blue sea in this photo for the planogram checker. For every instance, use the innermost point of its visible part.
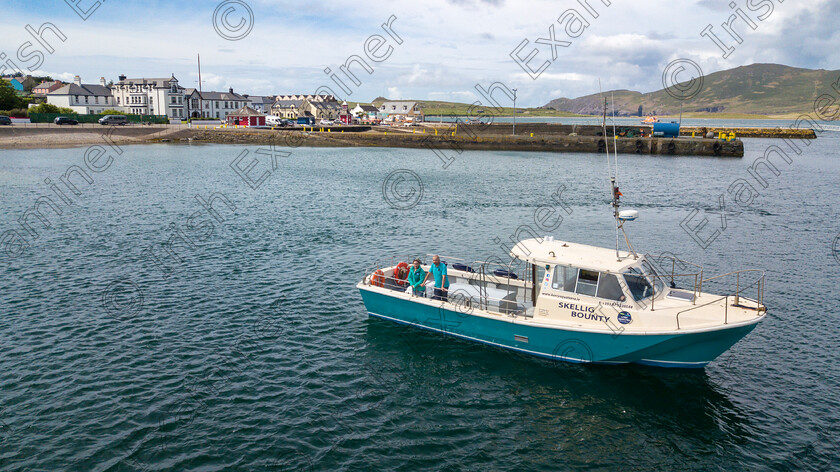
(246, 346)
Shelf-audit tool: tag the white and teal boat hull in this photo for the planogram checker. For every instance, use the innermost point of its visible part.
(685, 348)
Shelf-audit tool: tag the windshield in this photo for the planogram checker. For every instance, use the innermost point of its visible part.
(639, 281)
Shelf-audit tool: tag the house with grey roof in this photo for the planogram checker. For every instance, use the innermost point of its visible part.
(260, 103)
(401, 111)
(290, 109)
(365, 112)
(322, 110)
(84, 99)
(219, 105)
(155, 96)
(46, 87)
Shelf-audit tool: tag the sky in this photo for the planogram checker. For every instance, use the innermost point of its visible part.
(438, 49)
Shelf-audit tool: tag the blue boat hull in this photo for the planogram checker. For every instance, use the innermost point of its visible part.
(688, 349)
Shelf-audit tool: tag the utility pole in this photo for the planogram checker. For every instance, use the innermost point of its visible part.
(514, 112)
(200, 105)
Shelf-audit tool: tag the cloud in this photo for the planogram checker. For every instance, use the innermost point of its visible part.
(448, 46)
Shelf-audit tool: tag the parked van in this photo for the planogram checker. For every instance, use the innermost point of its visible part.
(120, 120)
(272, 120)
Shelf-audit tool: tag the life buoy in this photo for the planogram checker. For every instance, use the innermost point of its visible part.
(401, 273)
(378, 279)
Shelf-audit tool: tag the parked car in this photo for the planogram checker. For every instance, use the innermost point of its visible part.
(5, 120)
(326, 122)
(63, 120)
(120, 120)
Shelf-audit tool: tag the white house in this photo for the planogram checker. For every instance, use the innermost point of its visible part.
(84, 99)
(150, 96)
(401, 111)
(364, 112)
(213, 104)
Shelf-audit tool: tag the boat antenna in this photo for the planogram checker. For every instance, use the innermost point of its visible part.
(613, 175)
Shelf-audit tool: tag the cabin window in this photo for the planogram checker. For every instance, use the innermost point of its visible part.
(609, 288)
(564, 278)
(638, 284)
(587, 283)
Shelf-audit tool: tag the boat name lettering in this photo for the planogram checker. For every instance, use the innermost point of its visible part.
(576, 307)
(591, 316)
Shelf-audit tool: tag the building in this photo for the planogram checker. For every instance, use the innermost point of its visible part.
(365, 112)
(84, 99)
(290, 109)
(401, 111)
(261, 104)
(311, 98)
(246, 116)
(321, 110)
(150, 96)
(213, 104)
(20, 84)
(46, 87)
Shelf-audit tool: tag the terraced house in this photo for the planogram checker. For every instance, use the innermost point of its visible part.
(150, 96)
(286, 108)
(84, 99)
(213, 104)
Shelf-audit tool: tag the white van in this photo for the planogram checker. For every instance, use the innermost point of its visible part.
(272, 120)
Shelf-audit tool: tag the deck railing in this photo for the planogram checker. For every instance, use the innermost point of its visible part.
(759, 300)
(462, 301)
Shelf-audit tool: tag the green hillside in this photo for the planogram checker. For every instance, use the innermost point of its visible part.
(757, 89)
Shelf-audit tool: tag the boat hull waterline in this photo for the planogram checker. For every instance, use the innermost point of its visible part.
(686, 349)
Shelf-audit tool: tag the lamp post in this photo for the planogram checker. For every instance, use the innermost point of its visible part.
(514, 112)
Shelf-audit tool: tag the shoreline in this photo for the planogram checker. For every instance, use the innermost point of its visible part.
(536, 137)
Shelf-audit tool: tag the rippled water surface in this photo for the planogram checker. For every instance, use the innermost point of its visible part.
(248, 347)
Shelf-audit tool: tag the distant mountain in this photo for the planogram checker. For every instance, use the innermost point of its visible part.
(763, 89)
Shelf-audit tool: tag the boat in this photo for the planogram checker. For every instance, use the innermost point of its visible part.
(573, 302)
(650, 119)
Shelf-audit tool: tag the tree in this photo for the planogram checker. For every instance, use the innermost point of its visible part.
(8, 97)
(50, 108)
(111, 111)
(44, 108)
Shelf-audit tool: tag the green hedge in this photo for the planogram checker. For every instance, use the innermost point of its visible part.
(50, 117)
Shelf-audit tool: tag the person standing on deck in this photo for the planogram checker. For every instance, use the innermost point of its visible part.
(438, 271)
(416, 278)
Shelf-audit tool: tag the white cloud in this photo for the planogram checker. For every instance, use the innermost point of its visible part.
(447, 46)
